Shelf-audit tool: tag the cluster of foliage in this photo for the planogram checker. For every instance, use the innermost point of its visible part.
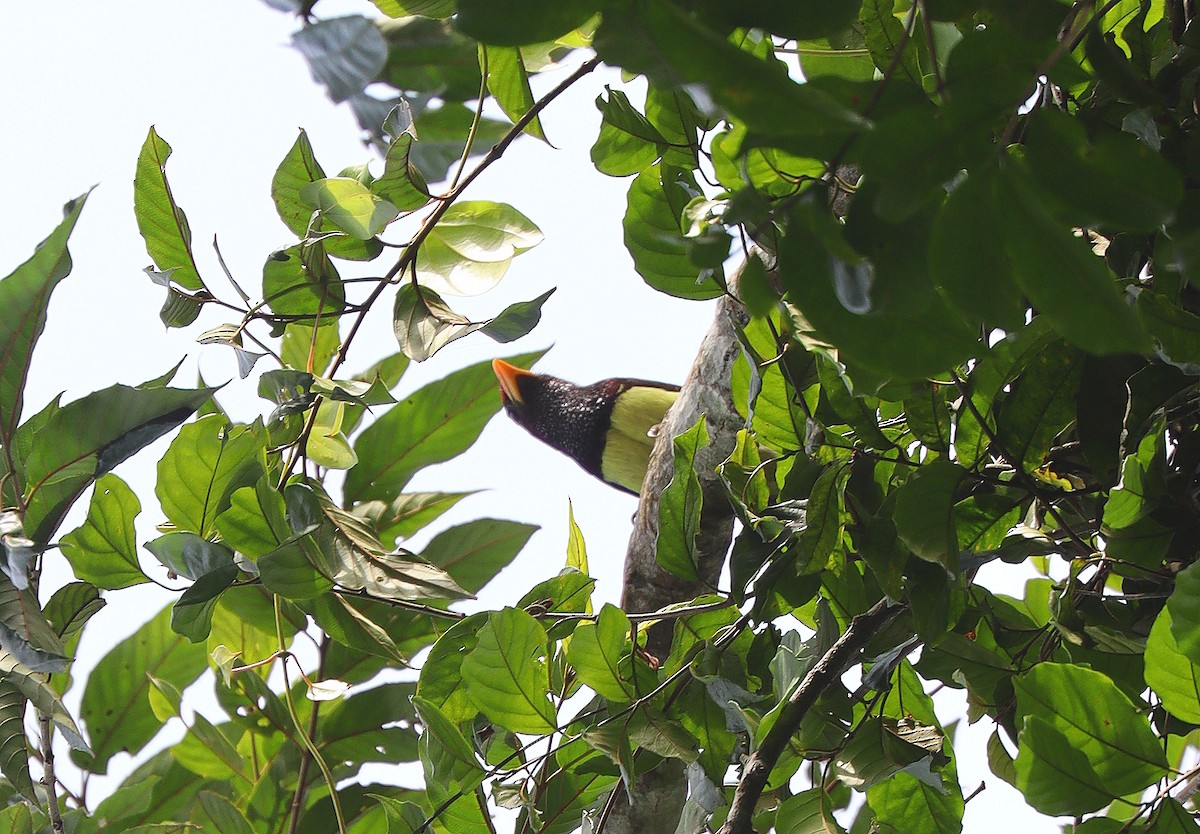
(988, 359)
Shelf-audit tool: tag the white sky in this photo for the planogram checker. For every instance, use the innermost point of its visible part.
(83, 84)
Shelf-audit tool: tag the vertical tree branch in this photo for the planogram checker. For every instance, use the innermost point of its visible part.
(48, 778)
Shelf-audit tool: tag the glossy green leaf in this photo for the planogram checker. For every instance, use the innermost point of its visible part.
(432, 425)
(192, 613)
(654, 234)
(474, 552)
(207, 461)
(115, 707)
(24, 297)
(680, 504)
(160, 220)
(516, 320)
(103, 550)
(287, 571)
(508, 82)
(424, 324)
(506, 673)
(1082, 742)
(349, 206)
(472, 245)
(189, 555)
(522, 21)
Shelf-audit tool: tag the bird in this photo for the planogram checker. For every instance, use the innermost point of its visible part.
(608, 427)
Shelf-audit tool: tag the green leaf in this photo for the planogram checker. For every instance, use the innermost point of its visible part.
(88, 437)
(244, 524)
(472, 245)
(189, 555)
(205, 463)
(1041, 405)
(424, 324)
(115, 706)
(223, 814)
(966, 256)
(506, 673)
(434, 424)
(288, 572)
(1171, 673)
(349, 206)
(327, 444)
(508, 82)
(344, 54)
(1184, 606)
(24, 298)
(442, 135)
(866, 288)
(1075, 718)
(14, 754)
(299, 168)
(425, 8)
(808, 812)
(522, 21)
(823, 518)
(1109, 179)
(680, 504)
(441, 681)
(407, 513)
(628, 142)
(516, 320)
(103, 550)
(924, 513)
(301, 281)
(654, 234)
(602, 655)
(1065, 281)
(473, 553)
(401, 183)
(674, 48)
(161, 222)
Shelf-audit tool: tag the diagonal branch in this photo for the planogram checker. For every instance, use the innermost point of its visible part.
(823, 673)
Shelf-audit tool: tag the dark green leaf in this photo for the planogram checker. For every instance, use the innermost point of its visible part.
(508, 82)
(1041, 405)
(924, 514)
(522, 21)
(401, 183)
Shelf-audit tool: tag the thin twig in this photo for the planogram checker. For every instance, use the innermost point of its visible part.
(305, 757)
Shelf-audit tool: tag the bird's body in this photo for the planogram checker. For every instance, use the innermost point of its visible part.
(607, 428)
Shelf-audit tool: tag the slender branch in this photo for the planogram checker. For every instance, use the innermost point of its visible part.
(48, 779)
(823, 673)
(409, 257)
(305, 757)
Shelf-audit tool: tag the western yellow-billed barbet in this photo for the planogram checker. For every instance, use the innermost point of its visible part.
(607, 427)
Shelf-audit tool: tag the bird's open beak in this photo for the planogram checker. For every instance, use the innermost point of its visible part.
(509, 375)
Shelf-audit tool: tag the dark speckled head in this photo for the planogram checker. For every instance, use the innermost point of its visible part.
(574, 419)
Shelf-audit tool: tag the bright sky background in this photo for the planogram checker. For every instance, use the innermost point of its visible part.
(84, 82)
